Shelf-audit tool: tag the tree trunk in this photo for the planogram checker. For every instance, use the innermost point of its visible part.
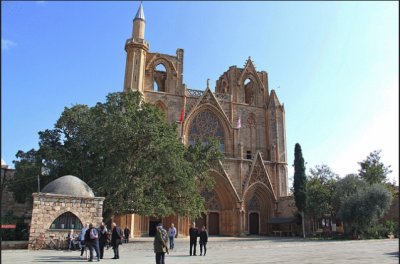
(302, 222)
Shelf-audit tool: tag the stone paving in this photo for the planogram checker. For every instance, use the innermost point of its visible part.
(248, 250)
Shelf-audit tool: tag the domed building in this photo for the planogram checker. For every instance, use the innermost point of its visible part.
(64, 204)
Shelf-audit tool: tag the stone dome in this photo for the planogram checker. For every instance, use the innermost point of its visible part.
(69, 185)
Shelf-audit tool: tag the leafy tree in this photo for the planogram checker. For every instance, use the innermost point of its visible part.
(349, 185)
(364, 208)
(320, 188)
(373, 170)
(127, 153)
(300, 183)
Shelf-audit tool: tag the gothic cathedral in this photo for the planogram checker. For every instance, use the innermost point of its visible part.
(243, 114)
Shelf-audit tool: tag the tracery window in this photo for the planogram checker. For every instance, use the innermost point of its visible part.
(67, 221)
(206, 125)
(254, 204)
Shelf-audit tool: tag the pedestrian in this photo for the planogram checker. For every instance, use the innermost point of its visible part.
(203, 240)
(172, 234)
(102, 238)
(70, 238)
(82, 238)
(92, 241)
(116, 239)
(193, 233)
(127, 233)
(160, 244)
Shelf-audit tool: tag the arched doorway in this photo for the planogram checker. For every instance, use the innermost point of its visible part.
(213, 224)
(254, 225)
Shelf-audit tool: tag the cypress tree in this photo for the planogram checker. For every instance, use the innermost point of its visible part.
(300, 183)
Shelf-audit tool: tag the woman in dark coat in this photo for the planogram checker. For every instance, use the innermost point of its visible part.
(203, 240)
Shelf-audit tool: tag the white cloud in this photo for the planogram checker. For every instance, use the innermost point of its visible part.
(7, 44)
(40, 2)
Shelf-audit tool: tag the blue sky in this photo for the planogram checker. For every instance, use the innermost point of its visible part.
(334, 65)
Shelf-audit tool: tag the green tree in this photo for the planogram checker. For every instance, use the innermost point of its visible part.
(300, 183)
(320, 188)
(365, 207)
(127, 153)
(345, 187)
(372, 169)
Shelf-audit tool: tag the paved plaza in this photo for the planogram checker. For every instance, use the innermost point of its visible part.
(247, 250)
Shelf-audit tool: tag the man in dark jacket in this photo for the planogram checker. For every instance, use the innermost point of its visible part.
(193, 233)
(203, 240)
(160, 244)
(116, 237)
(102, 238)
(92, 241)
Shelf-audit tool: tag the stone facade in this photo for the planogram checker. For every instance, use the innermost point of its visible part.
(243, 114)
(47, 207)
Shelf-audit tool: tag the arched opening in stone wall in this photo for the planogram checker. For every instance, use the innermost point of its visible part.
(160, 77)
(206, 125)
(224, 87)
(258, 200)
(67, 221)
(248, 85)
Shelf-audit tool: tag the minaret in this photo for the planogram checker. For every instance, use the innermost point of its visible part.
(136, 50)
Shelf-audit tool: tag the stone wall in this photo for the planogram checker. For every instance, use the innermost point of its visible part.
(47, 207)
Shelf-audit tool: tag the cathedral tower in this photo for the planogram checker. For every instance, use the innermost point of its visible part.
(136, 50)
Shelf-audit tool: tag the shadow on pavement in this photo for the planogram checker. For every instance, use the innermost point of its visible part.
(51, 259)
(393, 254)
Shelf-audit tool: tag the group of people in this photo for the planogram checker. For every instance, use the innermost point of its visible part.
(97, 238)
(162, 237)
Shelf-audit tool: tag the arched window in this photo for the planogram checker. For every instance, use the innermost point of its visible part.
(160, 77)
(67, 221)
(225, 87)
(206, 125)
(248, 91)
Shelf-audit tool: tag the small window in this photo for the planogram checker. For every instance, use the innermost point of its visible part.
(248, 155)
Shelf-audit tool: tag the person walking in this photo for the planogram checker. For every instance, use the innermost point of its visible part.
(193, 233)
(82, 238)
(127, 234)
(92, 241)
(203, 240)
(102, 238)
(172, 234)
(116, 238)
(160, 244)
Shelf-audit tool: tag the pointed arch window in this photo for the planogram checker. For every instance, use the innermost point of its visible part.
(206, 125)
(160, 77)
(248, 85)
(67, 221)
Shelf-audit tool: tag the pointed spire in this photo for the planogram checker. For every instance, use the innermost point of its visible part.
(273, 100)
(140, 13)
